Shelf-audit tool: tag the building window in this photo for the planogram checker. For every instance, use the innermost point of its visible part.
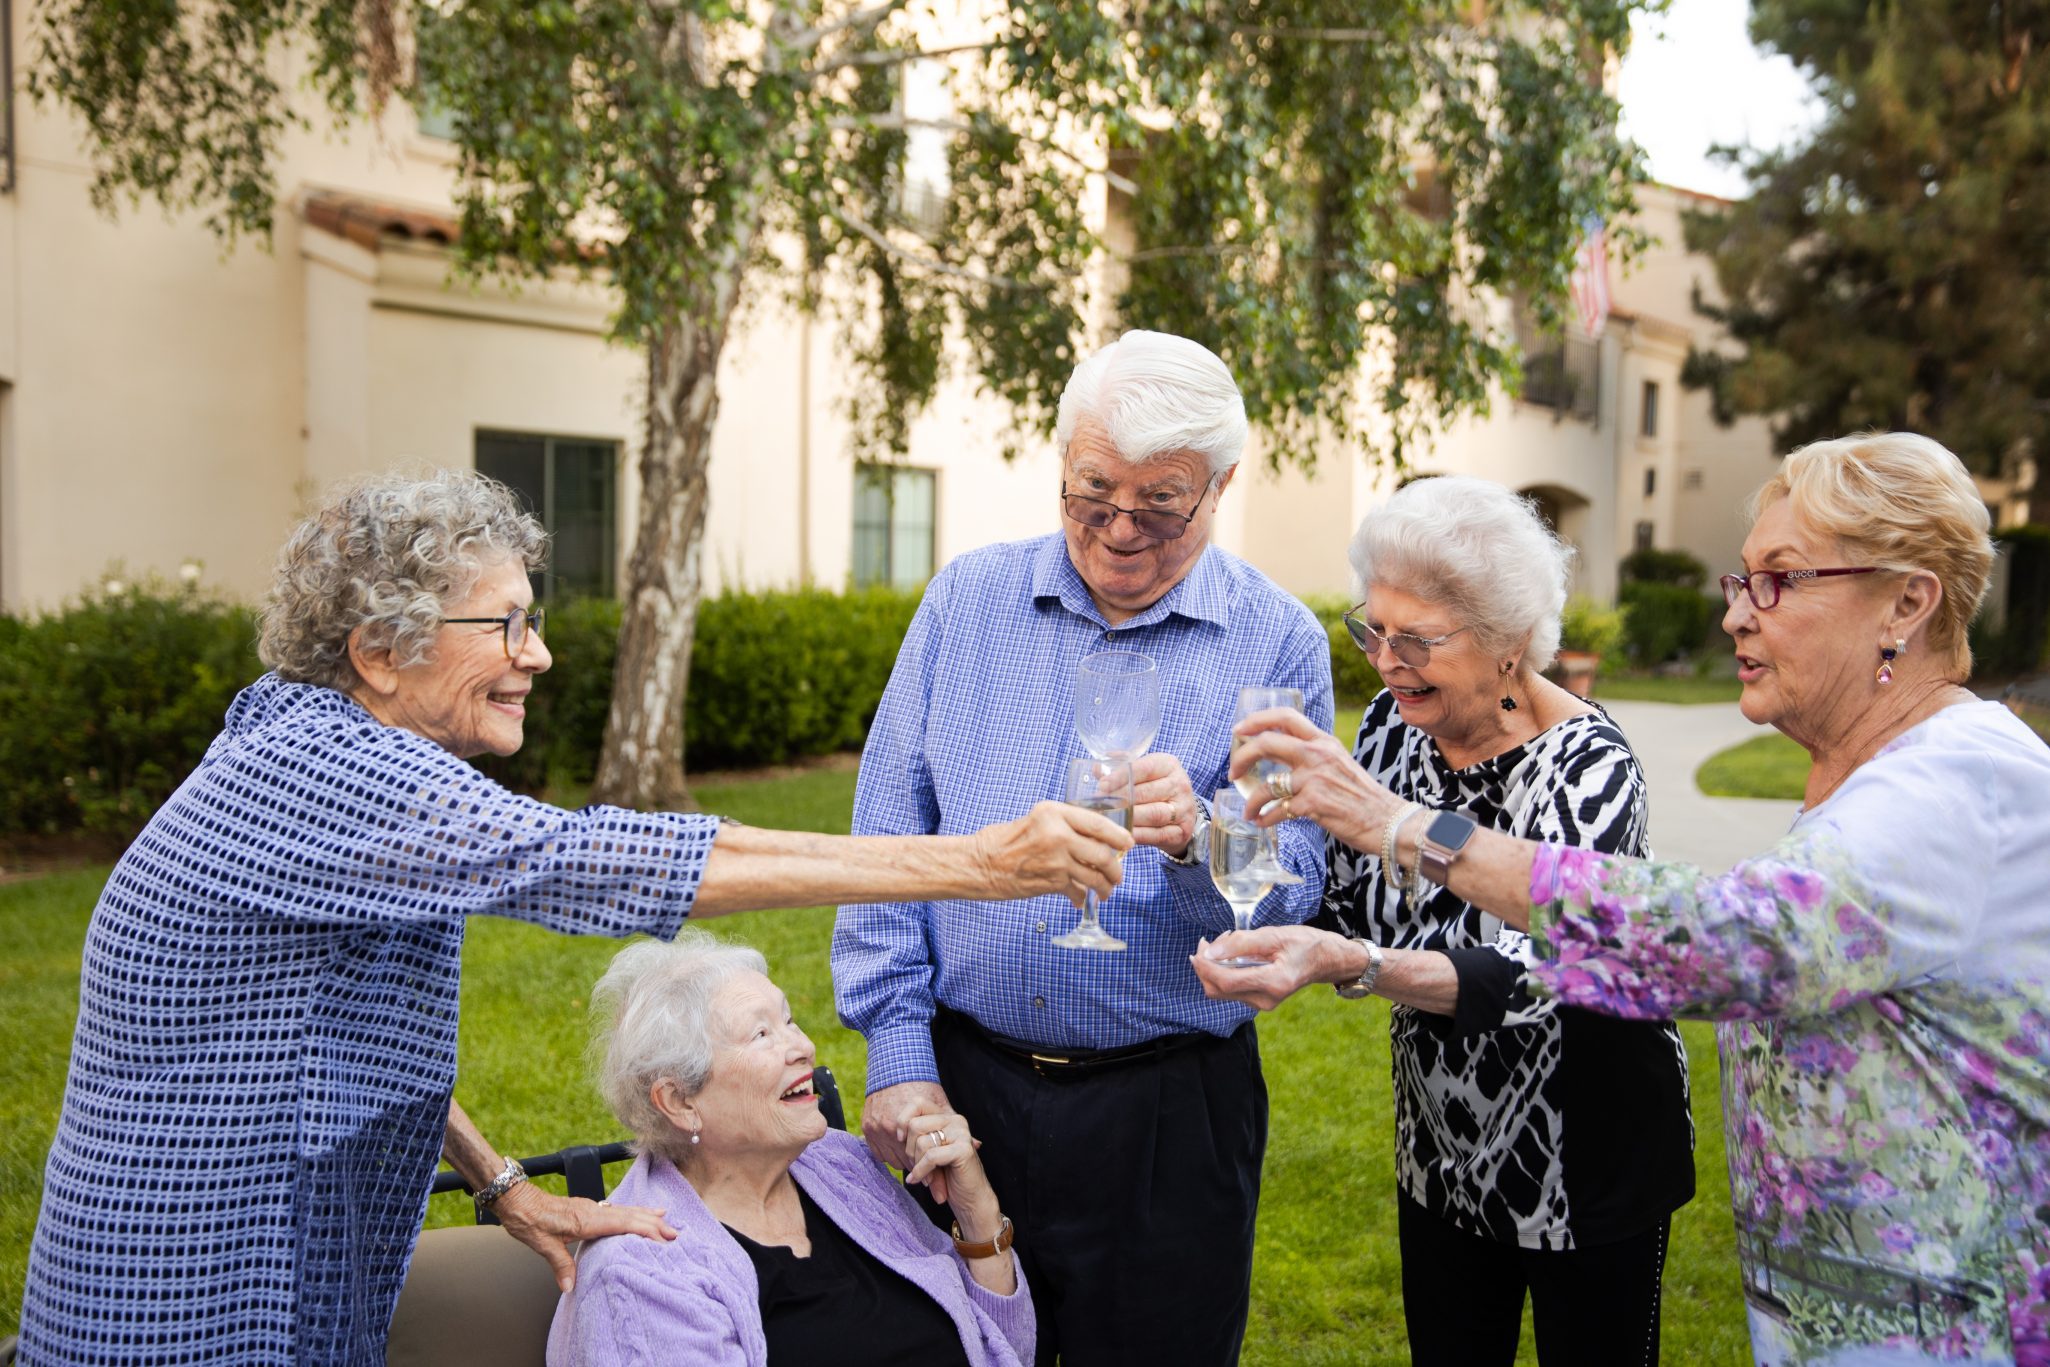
(893, 525)
(924, 178)
(1648, 413)
(1651, 480)
(1693, 479)
(1562, 373)
(1644, 535)
(572, 485)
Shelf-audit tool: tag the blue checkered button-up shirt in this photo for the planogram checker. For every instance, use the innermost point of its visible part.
(978, 723)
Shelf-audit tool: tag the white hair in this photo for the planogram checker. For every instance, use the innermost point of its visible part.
(1475, 548)
(652, 1013)
(1153, 393)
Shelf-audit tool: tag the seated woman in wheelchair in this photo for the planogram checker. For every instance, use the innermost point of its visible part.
(793, 1243)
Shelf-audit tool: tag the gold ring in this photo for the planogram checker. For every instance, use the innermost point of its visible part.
(1285, 812)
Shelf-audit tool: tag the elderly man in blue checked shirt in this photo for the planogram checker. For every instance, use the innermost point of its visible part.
(1123, 1113)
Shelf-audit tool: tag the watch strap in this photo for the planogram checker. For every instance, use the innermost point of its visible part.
(987, 1249)
(1363, 986)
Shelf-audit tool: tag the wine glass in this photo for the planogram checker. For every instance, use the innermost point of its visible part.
(1103, 786)
(1254, 782)
(1242, 863)
(1258, 699)
(1117, 703)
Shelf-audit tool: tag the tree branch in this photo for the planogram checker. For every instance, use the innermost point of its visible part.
(897, 57)
(898, 123)
(865, 18)
(857, 224)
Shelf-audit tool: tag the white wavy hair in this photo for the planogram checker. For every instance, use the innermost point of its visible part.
(652, 1022)
(1478, 550)
(1153, 393)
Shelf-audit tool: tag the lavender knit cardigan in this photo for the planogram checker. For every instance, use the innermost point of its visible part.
(694, 1299)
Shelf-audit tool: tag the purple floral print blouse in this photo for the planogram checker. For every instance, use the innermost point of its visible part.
(1883, 981)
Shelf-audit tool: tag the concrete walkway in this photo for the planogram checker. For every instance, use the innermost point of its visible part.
(1671, 741)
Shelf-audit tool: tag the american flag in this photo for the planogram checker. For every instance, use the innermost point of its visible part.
(1589, 283)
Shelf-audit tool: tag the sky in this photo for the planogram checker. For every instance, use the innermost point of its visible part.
(1692, 79)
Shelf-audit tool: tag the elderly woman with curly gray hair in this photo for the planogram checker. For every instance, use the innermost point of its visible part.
(1540, 1150)
(262, 1074)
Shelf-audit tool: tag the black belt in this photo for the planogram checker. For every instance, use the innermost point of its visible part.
(1054, 1061)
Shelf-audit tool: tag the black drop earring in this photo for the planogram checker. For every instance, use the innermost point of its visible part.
(1508, 703)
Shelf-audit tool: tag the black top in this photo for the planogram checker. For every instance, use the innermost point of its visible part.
(844, 1305)
(1517, 1119)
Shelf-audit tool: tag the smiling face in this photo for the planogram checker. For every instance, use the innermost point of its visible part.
(1807, 663)
(470, 699)
(760, 1098)
(1454, 697)
(1126, 570)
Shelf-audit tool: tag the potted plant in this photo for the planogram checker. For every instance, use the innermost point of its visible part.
(1587, 631)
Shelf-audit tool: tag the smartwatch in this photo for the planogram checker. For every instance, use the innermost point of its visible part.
(1443, 839)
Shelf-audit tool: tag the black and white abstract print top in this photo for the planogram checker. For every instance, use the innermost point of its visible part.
(1515, 1119)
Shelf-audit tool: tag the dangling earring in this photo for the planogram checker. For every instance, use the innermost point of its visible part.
(694, 1136)
(1887, 655)
(1508, 703)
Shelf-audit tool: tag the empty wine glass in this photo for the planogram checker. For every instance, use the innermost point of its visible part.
(1117, 703)
(1103, 786)
(1242, 863)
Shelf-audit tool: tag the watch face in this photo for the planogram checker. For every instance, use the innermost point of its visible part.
(1450, 831)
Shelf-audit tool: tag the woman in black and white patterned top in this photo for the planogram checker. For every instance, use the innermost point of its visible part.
(1539, 1149)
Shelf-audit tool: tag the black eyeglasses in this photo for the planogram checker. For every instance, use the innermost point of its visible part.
(515, 624)
(1161, 524)
(1764, 585)
(1412, 650)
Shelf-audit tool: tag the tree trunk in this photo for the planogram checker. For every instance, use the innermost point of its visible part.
(641, 764)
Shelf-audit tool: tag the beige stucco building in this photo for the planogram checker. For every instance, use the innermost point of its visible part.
(165, 402)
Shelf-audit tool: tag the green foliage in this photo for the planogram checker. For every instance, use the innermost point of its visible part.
(1588, 626)
(775, 676)
(1650, 566)
(1309, 176)
(1764, 766)
(1889, 273)
(112, 701)
(1354, 679)
(1665, 621)
(2023, 641)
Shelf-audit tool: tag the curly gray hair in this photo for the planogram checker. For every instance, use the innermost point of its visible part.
(652, 1013)
(390, 553)
(1477, 549)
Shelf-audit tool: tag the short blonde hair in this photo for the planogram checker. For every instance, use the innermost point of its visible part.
(1898, 501)
(1478, 550)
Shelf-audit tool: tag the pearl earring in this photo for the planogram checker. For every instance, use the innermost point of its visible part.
(693, 1136)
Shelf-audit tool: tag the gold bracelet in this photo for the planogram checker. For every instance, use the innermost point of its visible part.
(1000, 1244)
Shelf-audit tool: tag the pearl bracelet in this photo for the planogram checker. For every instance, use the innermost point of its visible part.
(1391, 866)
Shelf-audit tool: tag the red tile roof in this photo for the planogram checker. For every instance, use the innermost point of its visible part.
(367, 222)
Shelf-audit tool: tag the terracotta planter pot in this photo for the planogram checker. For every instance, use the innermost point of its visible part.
(1577, 669)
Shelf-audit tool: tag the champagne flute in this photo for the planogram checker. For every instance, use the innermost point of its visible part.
(1258, 699)
(1242, 863)
(1117, 703)
(1103, 786)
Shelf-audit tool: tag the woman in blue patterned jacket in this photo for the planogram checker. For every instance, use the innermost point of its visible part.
(262, 1074)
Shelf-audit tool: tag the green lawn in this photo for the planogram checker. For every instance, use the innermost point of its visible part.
(1326, 1285)
(1764, 766)
(1630, 688)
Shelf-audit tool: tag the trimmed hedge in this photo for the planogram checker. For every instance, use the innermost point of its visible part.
(109, 703)
(112, 701)
(1353, 679)
(1664, 621)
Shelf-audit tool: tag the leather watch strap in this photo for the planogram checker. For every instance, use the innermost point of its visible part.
(989, 1249)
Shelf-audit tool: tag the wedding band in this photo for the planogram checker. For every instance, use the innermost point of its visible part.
(1281, 786)
(941, 1136)
(1285, 812)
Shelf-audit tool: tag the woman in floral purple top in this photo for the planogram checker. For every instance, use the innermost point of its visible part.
(1882, 974)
